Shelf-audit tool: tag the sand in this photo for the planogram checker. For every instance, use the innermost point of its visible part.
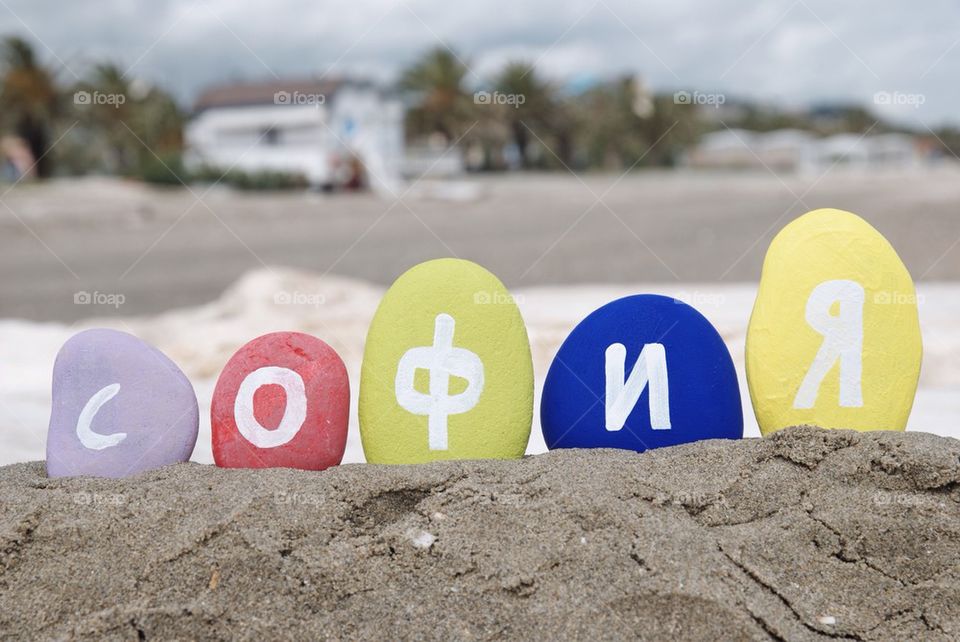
(162, 249)
(808, 534)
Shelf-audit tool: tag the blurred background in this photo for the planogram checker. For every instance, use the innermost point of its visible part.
(202, 172)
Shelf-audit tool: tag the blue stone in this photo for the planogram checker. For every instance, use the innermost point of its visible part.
(686, 382)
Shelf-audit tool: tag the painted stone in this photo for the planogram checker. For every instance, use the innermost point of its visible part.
(834, 338)
(641, 372)
(282, 401)
(120, 407)
(447, 371)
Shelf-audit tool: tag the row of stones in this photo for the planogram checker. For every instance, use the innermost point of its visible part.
(833, 340)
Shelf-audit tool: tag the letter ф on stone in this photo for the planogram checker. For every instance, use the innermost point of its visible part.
(447, 371)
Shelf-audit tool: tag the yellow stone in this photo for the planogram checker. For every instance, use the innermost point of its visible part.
(447, 371)
(834, 338)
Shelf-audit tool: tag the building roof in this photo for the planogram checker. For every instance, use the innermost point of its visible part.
(262, 93)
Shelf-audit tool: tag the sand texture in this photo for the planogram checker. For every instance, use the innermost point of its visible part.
(807, 534)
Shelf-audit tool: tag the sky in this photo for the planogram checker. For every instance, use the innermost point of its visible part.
(900, 58)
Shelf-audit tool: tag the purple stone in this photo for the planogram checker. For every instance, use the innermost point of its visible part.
(120, 407)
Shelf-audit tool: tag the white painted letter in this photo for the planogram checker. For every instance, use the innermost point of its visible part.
(293, 415)
(442, 361)
(842, 340)
(94, 440)
(651, 366)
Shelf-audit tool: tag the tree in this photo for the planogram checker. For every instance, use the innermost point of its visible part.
(132, 123)
(29, 99)
(107, 113)
(442, 104)
(529, 107)
(613, 133)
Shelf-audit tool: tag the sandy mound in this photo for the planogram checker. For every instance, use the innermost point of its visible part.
(803, 535)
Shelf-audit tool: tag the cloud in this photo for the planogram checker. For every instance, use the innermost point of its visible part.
(796, 52)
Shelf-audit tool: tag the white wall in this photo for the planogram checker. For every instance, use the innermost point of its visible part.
(304, 139)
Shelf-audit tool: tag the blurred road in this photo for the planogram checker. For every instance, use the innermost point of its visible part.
(165, 248)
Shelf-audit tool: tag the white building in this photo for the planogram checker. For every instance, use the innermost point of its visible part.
(791, 149)
(330, 131)
(740, 148)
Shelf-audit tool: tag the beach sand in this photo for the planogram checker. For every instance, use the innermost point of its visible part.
(164, 248)
(808, 534)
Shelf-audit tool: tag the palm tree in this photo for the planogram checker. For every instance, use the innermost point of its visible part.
(442, 103)
(621, 127)
(109, 115)
(158, 123)
(136, 124)
(529, 108)
(28, 99)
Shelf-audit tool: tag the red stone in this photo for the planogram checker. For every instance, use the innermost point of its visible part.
(282, 370)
